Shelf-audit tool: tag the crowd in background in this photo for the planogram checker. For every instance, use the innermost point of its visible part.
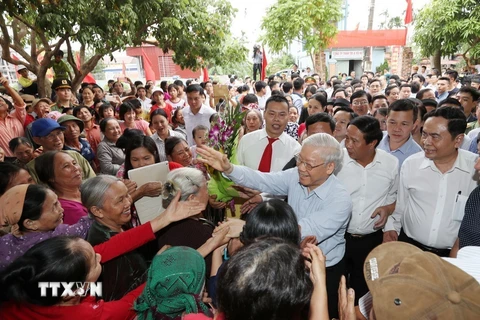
(354, 191)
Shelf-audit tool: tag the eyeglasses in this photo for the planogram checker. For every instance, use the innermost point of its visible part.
(308, 166)
(54, 135)
(360, 103)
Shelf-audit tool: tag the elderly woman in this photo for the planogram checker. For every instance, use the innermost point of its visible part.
(176, 280)
(108, 202)
(23, 150)
(71, 259)
(109, 155)
(34, 214)
(59, 171)
(177, 150)
(191, 232)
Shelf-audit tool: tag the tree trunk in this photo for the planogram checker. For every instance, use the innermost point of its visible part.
(319, 68)
(437, 60)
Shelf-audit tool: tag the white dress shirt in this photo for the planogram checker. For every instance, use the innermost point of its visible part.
(427, 199)
(252, 145)
(262, 101)
(370, 187)
(193, 120)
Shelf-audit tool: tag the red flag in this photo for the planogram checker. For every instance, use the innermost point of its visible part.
(205, 74)
(147, 67)
(263, 74)
(89, 77)
(409, 12)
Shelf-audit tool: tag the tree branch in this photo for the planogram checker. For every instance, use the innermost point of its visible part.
(33, 45)
(5, 40)
(70, 59)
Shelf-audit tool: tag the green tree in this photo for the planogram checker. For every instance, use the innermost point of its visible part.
(444, 27)
(193, 29)
(234, 60)
(285, 61)
(311, 21)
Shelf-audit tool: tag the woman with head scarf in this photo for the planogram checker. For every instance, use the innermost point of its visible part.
(34, 214)
(174, 287)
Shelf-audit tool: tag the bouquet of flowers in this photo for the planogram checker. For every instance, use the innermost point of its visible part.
(223, 136)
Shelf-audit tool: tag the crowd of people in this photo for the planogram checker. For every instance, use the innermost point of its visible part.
(358, 199)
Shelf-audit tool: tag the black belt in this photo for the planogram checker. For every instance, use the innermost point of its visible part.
(438, 252)
(362, 236)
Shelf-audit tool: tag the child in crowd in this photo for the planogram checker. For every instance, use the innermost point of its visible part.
(200, 134)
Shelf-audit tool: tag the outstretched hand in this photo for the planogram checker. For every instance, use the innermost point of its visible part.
(235, 226)
(179, 210)
(215, 159)
(316, 264)
(346, 300)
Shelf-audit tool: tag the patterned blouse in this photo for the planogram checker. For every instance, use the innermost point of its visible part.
(12, 247)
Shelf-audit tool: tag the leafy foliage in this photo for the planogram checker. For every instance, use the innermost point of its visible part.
(312, 21)
(285, 61)
(448, 26)
(193, 29)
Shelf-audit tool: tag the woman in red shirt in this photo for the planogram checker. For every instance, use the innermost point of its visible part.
(71, 259)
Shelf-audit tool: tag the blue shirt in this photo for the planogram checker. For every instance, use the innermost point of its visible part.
(406, 150)
(323, 212)
(473, 145)
(86, 150)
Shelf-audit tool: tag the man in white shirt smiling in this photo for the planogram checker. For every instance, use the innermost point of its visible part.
(252, 146)
(371, 177)
(195, 113)
(434, 186)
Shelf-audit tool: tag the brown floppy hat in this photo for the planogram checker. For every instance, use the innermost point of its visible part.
(407, 283)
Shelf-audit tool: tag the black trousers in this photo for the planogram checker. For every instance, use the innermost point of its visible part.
(439, 252)
(257, 67)
(333, 274)
(32, 90)
(357, 250)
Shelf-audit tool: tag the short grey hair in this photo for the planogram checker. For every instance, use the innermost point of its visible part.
(188, 180)
(93, 190)
(331, 150)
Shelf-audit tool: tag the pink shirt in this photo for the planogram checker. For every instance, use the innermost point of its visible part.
(12, 127)
(139, 124)
(73, 211)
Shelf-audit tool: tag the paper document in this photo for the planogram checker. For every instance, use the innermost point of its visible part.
(149, 208)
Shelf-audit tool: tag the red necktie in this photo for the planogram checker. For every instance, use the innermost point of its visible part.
(266, 160)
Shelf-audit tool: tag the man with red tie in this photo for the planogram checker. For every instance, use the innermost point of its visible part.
(269, 149)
